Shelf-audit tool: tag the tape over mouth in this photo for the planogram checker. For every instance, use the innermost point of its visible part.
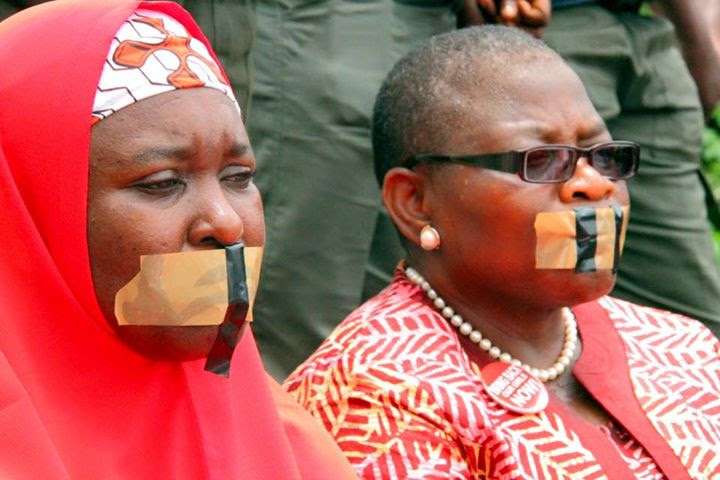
(584, 239)
(200, 288)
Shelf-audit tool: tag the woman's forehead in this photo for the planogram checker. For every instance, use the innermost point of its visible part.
(176, 122)
(524, 115)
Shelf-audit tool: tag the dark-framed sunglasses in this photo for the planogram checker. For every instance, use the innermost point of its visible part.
(550, 163)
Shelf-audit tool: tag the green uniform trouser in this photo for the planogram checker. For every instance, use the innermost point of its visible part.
(230, 27)
(319, 65)
(639, 83)
(6, 9)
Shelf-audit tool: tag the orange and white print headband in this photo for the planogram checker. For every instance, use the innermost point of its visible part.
(152, 53)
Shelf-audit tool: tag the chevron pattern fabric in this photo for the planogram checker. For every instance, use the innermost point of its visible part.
(675, 372)
(394, 387)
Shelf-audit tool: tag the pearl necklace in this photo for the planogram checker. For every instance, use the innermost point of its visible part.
(542, 374)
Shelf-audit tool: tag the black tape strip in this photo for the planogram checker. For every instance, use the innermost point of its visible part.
(233, 326)
(618, 232)
(586, 239)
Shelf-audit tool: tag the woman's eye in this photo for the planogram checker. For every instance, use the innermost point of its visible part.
(160, 187)
(239, 180)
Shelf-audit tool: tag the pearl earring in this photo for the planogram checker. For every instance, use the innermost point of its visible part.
(429, 238)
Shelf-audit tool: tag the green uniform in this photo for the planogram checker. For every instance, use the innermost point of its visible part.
(319, 65)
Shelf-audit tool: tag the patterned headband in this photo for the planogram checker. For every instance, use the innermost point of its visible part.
(153, 53)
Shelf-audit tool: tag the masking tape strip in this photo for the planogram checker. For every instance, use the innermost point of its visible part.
(230, 330)
(555, 232)
(586, 239)
(606, 239)
(174, 290)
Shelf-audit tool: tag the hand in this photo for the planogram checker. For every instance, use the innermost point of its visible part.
(530, 15)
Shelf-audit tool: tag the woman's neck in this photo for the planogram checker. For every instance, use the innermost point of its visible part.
(534, 334)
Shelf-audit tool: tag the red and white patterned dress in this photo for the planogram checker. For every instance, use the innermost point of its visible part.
(403, 400)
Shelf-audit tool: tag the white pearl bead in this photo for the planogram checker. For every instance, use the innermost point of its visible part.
(448, 312)
(505, 357)
(475, 336)
(543, 376)
(456, 320)
(466, 328)
(494, 352)
(439, 303)
(425, 285)
(564, 360)
(535, 372)
(552, 374)
(517, 363)
(432, 294)
(485, 344)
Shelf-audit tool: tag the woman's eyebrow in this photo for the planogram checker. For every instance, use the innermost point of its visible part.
(163, 153)
(238, 149)
(597, 129)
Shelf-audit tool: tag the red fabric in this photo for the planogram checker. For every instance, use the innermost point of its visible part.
(74, 401)
(403, 399)
(604, 352)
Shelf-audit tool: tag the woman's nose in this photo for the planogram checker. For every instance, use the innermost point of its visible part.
(586, 184)
(216, 222)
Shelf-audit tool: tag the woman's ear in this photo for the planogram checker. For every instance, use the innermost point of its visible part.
(405, 197)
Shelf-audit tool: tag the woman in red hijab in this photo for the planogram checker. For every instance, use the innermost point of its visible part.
(120, 138)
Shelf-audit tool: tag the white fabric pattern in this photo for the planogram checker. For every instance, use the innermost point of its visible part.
(153, 53)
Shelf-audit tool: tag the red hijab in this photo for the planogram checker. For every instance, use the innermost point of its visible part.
(74, 401)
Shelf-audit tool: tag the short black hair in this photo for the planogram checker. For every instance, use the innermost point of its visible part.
(420, 100)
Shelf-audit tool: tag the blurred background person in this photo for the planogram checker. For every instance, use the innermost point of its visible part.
(318, 66)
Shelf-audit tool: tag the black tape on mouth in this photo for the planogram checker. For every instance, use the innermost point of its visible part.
(618, 234)
(232, 327)
(586, 239)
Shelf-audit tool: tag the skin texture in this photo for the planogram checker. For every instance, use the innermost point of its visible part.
(485, 266)
(166, 176)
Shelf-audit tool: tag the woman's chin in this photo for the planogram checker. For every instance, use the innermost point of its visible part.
(589, 286)
(567, 287)
(169, 343)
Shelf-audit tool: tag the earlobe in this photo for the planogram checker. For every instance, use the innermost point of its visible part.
(405, 197)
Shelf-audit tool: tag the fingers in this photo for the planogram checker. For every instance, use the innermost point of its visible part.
(534, 13)
(509, 12)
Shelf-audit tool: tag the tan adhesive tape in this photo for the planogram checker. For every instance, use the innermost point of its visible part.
(555, 232)
(559, 244)
(183, 289)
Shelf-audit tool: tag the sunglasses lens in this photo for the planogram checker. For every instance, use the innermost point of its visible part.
(616, 161)
(544, 165)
